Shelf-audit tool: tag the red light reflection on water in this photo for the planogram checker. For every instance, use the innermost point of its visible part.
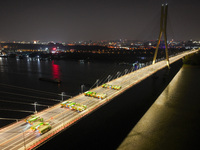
(55, 70)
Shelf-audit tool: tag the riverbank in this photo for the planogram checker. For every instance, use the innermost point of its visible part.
(172, 122)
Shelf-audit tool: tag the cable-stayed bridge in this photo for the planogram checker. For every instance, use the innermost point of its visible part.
(20, 136)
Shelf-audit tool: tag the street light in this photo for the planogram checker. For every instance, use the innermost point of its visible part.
(118, 73)
(132, 69)
(97, 82)
(109, 77)
(126, 70)
(82, 88)
(63, 94)
(35, 107)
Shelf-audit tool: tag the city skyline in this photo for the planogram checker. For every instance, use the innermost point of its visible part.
(96, 20)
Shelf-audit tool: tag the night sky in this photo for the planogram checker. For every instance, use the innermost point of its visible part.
(77, 20)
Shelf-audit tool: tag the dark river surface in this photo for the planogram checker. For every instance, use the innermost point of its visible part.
(106, 127)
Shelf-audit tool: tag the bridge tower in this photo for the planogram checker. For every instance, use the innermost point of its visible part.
(163, 27)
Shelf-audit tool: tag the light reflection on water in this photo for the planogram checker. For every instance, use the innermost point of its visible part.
(26, 73)
(55, 70)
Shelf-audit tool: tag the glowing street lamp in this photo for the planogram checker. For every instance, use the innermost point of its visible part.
(126, 70)
(109, 77)
(35, 107)
(62, 94)
(82, 86)
(97, 82)
(118, 74)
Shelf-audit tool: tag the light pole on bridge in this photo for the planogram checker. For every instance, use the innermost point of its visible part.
(82, 86)
(118, 73)
(63, 94)
(132, 69)
(35, 107)
(109, 77)
(97, 82)
(126, 70)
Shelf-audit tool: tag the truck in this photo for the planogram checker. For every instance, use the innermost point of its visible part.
(100, 95)
(63, 104)
(73, 105)
(115, 87)
(44, 128)
(36, 125)
(32, 119)
(79, 107)
(89, 93)
(96, 95)
(105, 85)
(70, 105)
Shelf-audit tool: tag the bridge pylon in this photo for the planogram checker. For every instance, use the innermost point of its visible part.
(163, 28)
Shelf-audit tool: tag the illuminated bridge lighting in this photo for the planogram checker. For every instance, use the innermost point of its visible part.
(19, 136)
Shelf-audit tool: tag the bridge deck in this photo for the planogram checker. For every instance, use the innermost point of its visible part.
(19, 135)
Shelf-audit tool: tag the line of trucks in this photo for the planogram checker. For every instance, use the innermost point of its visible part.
(115, 87)
(73, 105)
(96, 95)
(102, 95)
(37, 123)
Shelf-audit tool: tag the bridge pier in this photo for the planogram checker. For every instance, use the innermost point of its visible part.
(163, 28)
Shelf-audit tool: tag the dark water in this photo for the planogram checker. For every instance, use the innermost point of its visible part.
(20, 84)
